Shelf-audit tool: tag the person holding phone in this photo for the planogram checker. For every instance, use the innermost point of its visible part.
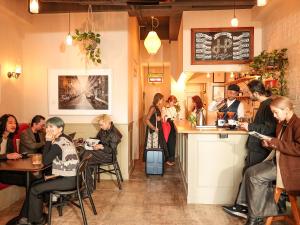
(282, 165)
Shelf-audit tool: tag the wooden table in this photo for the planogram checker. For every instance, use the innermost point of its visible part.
(21, 165)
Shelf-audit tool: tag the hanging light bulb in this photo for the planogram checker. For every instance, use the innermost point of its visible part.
(234, 20)
(261, 2)
(69, 39)
(152, 42)
(34, 6)
(208, 75)
(231, 75)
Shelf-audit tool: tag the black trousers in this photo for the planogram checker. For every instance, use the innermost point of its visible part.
(13, 178)
(33, 205)
(171, 142)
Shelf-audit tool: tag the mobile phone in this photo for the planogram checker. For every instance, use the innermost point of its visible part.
(24, 155)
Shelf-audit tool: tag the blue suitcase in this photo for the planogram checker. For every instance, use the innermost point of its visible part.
(154, 162)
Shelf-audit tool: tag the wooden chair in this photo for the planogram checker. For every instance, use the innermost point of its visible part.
(293, 219)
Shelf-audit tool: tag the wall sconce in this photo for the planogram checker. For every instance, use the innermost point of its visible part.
(34, 6)
(15, 74)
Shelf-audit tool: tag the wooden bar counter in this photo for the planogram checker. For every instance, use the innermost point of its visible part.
(211, 160)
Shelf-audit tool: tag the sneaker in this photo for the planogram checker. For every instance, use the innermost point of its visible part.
(237, 210)
(23, 221)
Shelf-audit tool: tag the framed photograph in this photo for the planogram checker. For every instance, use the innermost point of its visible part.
(226, 45)
(79, 92)
(218, 92)
(219, 77)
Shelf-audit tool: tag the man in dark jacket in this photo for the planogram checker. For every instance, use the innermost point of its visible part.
(264, 123)
(109, 137)
(32, 139)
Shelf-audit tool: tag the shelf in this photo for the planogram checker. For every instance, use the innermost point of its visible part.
(243, 79)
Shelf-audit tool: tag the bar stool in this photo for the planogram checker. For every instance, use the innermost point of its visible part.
(293, 219)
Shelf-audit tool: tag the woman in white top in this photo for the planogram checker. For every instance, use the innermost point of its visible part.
(169, 113)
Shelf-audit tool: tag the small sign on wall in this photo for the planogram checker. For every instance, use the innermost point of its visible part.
(155, 77)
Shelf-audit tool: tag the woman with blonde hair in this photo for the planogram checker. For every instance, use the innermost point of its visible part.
(282, 164)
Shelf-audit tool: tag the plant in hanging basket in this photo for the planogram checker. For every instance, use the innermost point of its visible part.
(91, 44)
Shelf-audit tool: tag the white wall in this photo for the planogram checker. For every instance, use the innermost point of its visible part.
(216, 19)
(44, 48)
(11, 34)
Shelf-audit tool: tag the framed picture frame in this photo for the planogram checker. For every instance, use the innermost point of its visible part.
(218, 91)
(79, 92)
(226, 45)
(219, 77)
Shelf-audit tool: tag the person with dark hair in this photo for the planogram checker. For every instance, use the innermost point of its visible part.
(59, 152)
(8, 128)
(153, 122)
(264, 123)
(32, 139)
(282, 164)
(198, 108)
(169, 113)
(229, 104)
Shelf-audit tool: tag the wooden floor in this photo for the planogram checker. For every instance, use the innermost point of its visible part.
(155, 200)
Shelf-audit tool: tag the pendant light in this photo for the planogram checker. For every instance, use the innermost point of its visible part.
(34, 6)
(152, 42)
(69, 38)
(234, 20)
(261, 2)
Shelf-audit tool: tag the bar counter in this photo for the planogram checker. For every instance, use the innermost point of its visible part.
(211, 162)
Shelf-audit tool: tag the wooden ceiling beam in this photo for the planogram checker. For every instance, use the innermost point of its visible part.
(174, 26)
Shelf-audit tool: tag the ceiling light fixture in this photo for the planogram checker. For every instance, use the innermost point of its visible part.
(234, 20)
(152, 42)
(69, 38)
(34, 6)
(261, 2)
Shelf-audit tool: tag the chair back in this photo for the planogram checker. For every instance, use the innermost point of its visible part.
(81, 171)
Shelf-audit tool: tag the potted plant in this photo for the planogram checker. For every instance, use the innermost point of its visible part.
(90, 43)
(271, 67)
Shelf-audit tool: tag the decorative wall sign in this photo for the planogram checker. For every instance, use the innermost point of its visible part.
(79, 92)
(219, 77)
(218, 92)
(222, 45)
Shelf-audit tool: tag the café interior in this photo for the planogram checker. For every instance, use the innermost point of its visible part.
(37, 48)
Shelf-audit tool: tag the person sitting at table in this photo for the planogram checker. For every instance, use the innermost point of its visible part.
(8, 128)
(61, 153)
(32, 139)
(109, 137)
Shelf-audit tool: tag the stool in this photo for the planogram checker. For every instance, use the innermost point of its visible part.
(294, 219)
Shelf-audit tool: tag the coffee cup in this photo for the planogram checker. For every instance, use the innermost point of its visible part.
(36, 159)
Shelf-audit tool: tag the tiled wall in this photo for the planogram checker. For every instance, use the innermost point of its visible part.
(281, 30)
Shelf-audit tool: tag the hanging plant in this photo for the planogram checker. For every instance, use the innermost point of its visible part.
(91, 44)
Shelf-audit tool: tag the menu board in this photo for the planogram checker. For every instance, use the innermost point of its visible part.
(222, 45)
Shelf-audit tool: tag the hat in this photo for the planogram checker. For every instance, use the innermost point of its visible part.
(233, 87)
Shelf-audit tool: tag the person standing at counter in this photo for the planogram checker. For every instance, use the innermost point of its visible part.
(197, 109)
(169, 113)
(153, 122)
(229, 104)
(264, 123)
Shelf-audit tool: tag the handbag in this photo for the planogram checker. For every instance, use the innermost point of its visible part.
(166, 127)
